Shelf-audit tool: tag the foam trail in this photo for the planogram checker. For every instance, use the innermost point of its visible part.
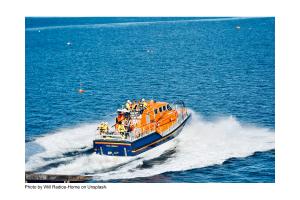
(123, 24)
(202, 143)
(53, 147)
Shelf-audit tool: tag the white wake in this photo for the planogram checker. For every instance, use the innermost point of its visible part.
(201, 143)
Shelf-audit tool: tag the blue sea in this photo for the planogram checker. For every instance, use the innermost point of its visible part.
(222, 68)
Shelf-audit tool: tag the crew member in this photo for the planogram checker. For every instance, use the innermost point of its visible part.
(106, 128)
(144, 104)
(128, 105)
(134, 105)
(141, 105)
(137, 107)
(103, 128)
(120, 118)
(121, 129)
(99, 127)
(127, 124)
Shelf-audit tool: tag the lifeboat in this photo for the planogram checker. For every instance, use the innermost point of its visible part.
(141, 127)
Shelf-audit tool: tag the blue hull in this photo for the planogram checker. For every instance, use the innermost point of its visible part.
(126, 148)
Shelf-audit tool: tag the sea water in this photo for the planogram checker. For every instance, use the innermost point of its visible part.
(222, 68)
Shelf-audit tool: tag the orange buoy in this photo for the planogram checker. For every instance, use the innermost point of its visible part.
(81, 91)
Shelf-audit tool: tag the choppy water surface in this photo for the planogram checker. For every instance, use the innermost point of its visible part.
(223, 68)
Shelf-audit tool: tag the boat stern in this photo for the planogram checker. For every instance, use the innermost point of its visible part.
(112, 148)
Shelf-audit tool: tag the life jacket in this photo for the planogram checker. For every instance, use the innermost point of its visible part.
(134, 105)
(120, 118)
(121, 128)
(102, 127)
(145, 104)
(141, 104)
(128, 106)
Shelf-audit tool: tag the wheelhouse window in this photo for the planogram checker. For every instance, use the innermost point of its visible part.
(164, 108)
(169, 107)
(160, 109)
(155, 111)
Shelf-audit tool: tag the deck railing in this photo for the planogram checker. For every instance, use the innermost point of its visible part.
(132, 137)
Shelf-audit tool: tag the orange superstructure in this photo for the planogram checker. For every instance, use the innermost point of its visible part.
(158, 116)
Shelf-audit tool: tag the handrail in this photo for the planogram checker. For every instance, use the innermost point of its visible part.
(133, 138)
(177, 105)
